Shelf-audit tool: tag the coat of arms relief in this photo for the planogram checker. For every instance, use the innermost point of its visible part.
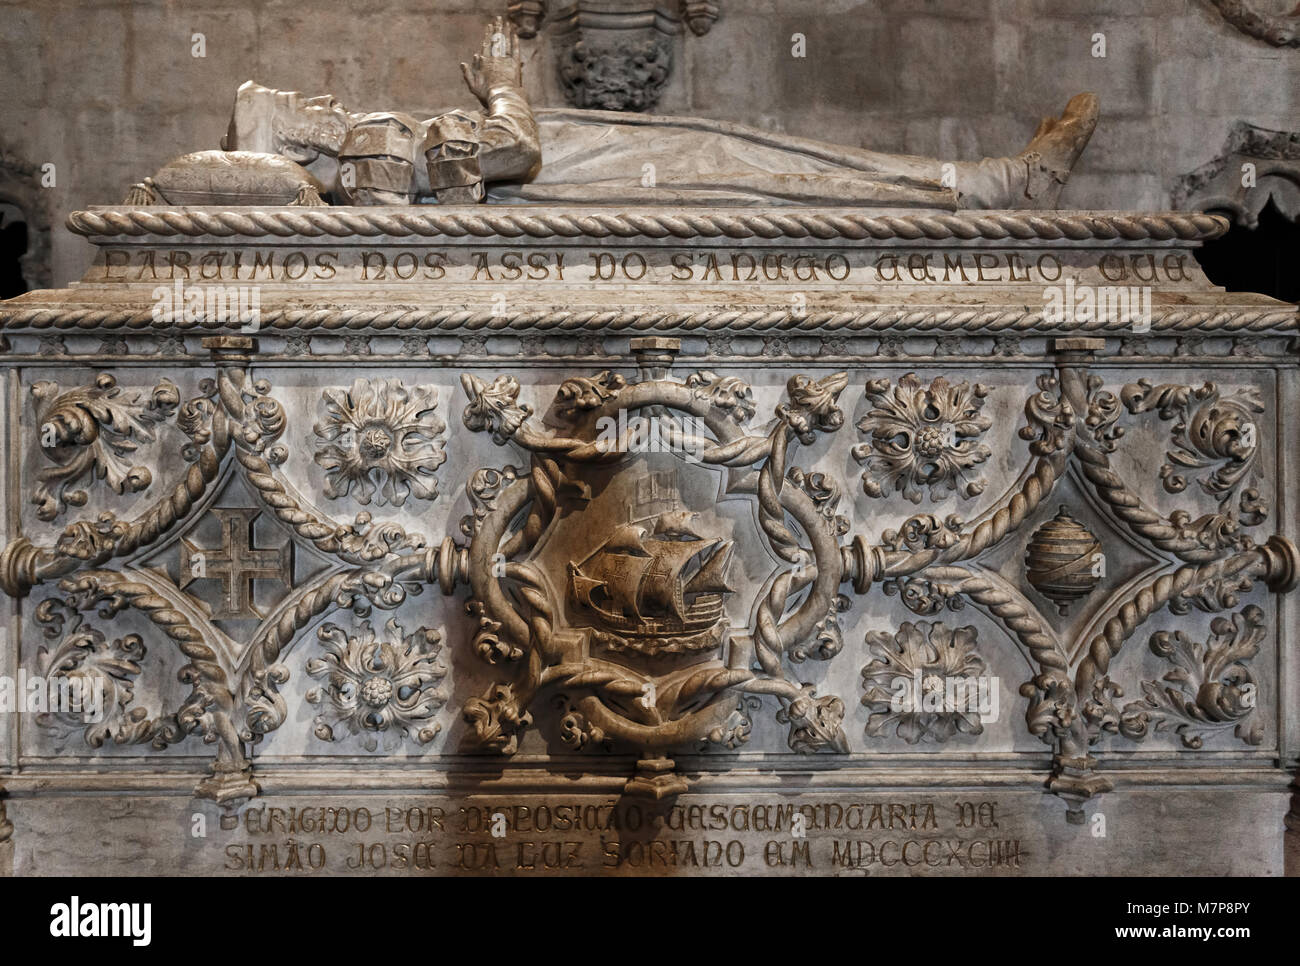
(626, 574)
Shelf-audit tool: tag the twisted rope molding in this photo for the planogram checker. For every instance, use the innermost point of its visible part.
(1018, 617)
(207, 710)
(1283, 320)
(486, 222)
(23, 564)
(264, 709)
(102, 585)
(1255, 564)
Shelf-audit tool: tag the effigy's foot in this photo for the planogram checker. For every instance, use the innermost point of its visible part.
(1054, 149)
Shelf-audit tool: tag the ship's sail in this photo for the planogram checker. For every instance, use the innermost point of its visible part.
(661, 590)
(616, 577)
(628, 539)
(711, 578)
(647, 584)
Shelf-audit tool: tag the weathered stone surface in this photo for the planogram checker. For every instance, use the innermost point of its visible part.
(953, 830)
(872, 414)
(668, 524)
(95, 120)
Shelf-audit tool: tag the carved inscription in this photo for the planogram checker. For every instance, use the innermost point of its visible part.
(724, 266)
(941, 834)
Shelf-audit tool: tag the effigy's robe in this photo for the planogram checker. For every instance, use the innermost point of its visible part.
(607, 157)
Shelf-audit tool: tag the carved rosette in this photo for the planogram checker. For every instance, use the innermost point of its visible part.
(923, 437)
(924, 682)
(376, 688)
(381, 441)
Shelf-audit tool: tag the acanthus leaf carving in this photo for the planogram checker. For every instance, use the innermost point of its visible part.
(1210, 688)
(1219, 435)
(580, 393)
(99, 674)
(94, 432)
(730, 393)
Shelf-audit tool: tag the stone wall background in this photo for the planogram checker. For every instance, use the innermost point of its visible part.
(108, 91)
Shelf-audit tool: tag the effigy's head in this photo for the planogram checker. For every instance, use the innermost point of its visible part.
(381, 156)
(286, 123)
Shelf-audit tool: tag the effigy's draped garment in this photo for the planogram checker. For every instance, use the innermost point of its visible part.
(615, 158)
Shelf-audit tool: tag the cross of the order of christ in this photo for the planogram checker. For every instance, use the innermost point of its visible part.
(237, 564)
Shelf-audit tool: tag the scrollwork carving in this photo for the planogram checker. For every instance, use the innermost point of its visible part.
(580, 393)
(730, 393)
(93, 431)
(1211, 687)
(1213, 433)
(84, 657)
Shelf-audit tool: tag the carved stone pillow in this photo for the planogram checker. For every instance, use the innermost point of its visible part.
(229, 178)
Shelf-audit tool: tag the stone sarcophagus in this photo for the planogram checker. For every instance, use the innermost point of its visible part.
(439, 539)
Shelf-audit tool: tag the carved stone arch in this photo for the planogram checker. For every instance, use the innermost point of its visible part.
(20, 187)
(1255, 181)
(1278, 29)
(1255, 165)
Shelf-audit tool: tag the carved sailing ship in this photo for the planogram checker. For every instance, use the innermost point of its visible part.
(657, 585)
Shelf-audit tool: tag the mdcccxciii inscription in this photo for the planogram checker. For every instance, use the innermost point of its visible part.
(620, 835)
